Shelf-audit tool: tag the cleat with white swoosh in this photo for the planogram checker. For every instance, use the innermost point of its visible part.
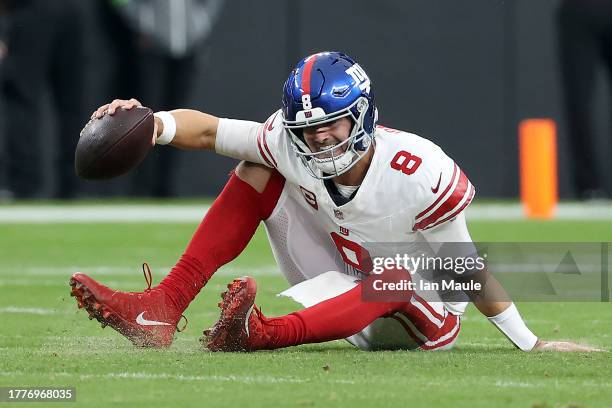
(147, 319)
(144, 322)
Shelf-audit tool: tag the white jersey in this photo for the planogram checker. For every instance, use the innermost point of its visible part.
(411, 186)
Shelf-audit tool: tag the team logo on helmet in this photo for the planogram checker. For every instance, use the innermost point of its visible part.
(360, 77)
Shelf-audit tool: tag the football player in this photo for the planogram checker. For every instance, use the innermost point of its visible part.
(325, 180)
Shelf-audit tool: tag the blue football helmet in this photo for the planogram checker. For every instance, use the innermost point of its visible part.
(322, 88)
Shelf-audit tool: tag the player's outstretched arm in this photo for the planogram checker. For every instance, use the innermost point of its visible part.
(194, 130)
(493, 301)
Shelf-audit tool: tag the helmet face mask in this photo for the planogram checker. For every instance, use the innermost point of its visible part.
(342, 156)
(322, 89)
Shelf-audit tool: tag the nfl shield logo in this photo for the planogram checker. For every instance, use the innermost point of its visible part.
(339, 215)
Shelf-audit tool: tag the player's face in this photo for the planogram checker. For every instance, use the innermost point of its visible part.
(324, 137)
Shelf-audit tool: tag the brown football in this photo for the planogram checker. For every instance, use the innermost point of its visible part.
(113, 145)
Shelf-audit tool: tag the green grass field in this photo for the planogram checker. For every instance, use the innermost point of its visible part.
(45, 340)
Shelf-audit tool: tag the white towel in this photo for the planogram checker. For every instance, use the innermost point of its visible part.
(320, 288)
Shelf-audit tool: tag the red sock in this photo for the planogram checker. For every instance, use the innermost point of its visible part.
(226, 229)
(333, 319)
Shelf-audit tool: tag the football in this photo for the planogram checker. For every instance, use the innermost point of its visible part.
(113, 145)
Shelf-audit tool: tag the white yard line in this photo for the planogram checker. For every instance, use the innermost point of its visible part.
(554, 383)
(28, 310)
(158, 272)
(37, 311)
(515, 384)
(259, 379)
(61, 282)
(145, 213)
(565, 211)
(52, 214)
(180, 377)
(269, 270)
(268, 379)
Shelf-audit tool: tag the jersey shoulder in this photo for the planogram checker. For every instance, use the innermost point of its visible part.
(271, 142)
(424, 176)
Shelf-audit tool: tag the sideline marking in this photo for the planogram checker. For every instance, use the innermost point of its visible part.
(124, 213)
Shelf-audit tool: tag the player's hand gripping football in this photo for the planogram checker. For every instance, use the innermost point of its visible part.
(111, 108)
(563, 346)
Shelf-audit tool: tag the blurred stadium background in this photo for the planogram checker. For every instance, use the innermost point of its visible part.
(463, 74)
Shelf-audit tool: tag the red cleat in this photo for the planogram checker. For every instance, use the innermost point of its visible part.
(147, 319)
(240, 326)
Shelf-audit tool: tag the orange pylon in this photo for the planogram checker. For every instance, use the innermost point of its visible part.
(538, 167)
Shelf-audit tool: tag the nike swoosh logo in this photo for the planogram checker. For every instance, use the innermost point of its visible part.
(144, 322)
(270, 127)
(437, 187)
(246, 321)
